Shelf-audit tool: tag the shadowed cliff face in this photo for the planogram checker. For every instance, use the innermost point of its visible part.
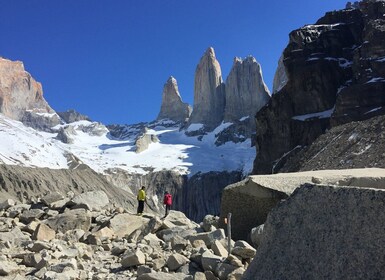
(335, 74)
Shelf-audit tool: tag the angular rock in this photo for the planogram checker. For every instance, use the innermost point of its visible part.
(125, 224)
(94, 200)
(172, 106)
(73, 219)
(256, 235)
(30, 215)
(175, 261)
(243, 249)
(8, 268)
(162, 276)
(133, 258)
(218, 249)
(4, 205)
(210, 261)
(71, 116)
(43, 233)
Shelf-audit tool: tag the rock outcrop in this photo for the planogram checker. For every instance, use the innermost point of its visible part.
(352, 145)
(21, 97)
(323, 232)
(251, 200)
(144, 140)
(246, 91)
(209, 92)
(172, 106)
(71, 116)
(335, 75)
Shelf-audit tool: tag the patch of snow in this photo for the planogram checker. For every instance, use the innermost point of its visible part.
(362, 150)
(353, 137)
(244, 118)
(319, 115)
(194, 127)
(375, 80)
(373, 110)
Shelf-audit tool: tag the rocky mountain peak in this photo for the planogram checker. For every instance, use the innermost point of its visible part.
(246, 91)
(21, 97)
(335, 75)
(209, 93)
(172, 106)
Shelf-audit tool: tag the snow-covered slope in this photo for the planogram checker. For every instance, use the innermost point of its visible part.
(94, 145)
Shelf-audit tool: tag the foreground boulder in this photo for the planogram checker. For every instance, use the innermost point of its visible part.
(323, 232)
(251, 200)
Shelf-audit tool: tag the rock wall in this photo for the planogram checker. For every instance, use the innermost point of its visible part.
(335, 75)
(20, 94)
(209, 93)
(172, 106)
(246, 91)
(323, 232)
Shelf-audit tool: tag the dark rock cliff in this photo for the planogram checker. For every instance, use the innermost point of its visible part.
(336, 74)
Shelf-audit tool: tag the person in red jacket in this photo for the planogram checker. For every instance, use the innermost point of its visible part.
(167, 201)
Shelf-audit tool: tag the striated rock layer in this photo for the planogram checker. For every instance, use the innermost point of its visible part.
(209, 93)
(246, 91)
(336, 74)
(172, 106)
(323, 232)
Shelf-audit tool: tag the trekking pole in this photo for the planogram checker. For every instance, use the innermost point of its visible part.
(229, 233)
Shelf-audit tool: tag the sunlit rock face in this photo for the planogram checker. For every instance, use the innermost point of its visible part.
(172, 106)
(209, 92)
(246, 91)
(21, 97)
(335, 74)
(19, 91)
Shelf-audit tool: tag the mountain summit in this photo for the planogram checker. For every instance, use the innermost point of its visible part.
(172, 106)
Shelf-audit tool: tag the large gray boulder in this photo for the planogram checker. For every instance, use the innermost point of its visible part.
(172, 106)
(324, 232)
(72, 219)
(251, 200)
(94, 200)
(246, 91)
(209, 94)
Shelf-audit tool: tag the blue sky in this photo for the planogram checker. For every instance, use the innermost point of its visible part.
(110, 59)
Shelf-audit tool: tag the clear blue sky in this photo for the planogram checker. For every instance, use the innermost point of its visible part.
(110, 59)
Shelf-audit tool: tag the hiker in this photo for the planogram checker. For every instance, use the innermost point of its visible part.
(141, 199)
(167, 201)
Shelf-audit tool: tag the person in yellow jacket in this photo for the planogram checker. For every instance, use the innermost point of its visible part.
(141, 199)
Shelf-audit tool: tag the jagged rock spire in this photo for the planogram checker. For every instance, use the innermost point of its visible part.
(209, 94)
(246, 91)
(172, 106)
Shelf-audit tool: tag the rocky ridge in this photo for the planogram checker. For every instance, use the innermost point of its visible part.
(21, 97)
(335, 75)
(86, 238)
